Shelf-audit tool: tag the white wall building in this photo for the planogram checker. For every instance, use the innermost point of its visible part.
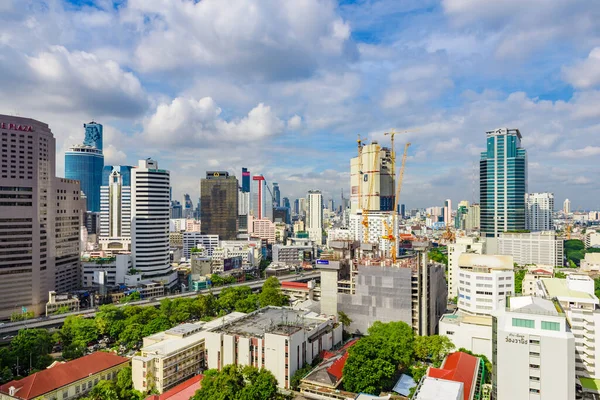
(532, 248)
(592, 239)
(377, 229)
(448, 213)
(150, 211)
(196, 239)
(314, 216)
(111, 273)
(567, 206)
(115, 214)
(463, 245)
(483, 281)
(534, 351)
(538, 211)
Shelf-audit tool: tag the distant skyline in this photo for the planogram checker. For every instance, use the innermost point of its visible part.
(283, 88)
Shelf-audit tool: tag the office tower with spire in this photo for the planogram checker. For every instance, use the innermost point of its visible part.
(502, 183)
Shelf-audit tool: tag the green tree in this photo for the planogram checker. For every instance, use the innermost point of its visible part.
(432, 348)
(238, 383)
(344, 319)
(437, 256)
(62, 310)
(124, 386)
(34, 345)
(560, 275)
(230, 296)
(131, 335)
(519, 276)
(271, 295)
(298, 375)
(135, 296)
(104, 390)
(75, 335)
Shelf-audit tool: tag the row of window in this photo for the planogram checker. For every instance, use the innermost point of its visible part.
(529, 323)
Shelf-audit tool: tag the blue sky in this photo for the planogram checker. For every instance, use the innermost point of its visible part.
(283, 88)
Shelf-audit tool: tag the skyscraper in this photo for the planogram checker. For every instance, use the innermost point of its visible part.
(276, 195)
(372, 180)
(115, 210)
(262, 203)
(219, 198)
(286, 203)
(538, 211)
(567, 206)
(188, 209)
(503, 183)
(245, 180)
(448, 212)
(40, 216)
(85, 163)
(150, 220)
(314, 216)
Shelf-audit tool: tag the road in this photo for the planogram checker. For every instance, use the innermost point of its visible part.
(11, 328)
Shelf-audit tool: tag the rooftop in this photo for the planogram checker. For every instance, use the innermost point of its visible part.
(485, 260)
(60, 375)
(458, 367)
(438, 389)
(532, 305)
(280, 321)
(183, 391)
(592, 258)
(559, 288)
(459, 317)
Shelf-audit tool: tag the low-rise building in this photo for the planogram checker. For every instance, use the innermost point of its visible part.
(69, 380)
(471, 332)
(279, 339)
(197, 240)
(294, 254)
(592, 239)
(591, 262)
(534, 351)
(109, 271)
(529, 284)
(60, 302)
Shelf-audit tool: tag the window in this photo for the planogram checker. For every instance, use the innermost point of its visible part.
(534, 366)
(534, 390)
(523, 323)
(551, 326)
(65, 395)
(534, 378)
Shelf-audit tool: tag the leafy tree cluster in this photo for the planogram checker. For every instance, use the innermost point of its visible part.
(376, 361)
(135, 296)
(436, 255)
(75, 335)
(560, 275)
(22, 316)
(235, 382)
(121, 389)
(575, 251)
(31, 347)
(217, 280)
(519, 276)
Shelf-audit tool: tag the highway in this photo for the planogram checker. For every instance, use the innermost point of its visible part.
(11, 328)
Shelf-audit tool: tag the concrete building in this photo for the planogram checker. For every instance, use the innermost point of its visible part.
(462, 245)
(448, 212)
(314, 216)
(57, 302)
(471, 332)
(150, 221)
(576, 297)
(198, 240)
(115, 211)
(69, 380)
(472, 221)
(591, 262)
(261, 228)
(377, 229)
(567, 206)
(534, 351)
(103, 271)
(294, 254)
(483, 281)
(532, 248)
(85, 162)
(372, 180)
(592, 239)
(538, 211)
(262, 204)
(279, 339)
(529, 284)
(502, 183)
(33, 205)
(219, 199)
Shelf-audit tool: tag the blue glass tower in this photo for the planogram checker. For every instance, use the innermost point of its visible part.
(85, 163)
(502, 183)
(245, 180)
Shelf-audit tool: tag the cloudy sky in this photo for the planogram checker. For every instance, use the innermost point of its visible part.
(284, 87)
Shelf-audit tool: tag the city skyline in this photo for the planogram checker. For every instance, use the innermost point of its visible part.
(451, 69)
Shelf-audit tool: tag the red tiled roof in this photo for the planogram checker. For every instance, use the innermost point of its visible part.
(337, 367)
(458, 367)
(349, 344)
(299, 285)
(183, 391)
(63, 374)
(326, 355)
(541, 271)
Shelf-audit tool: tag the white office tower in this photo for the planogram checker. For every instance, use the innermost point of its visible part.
(540, 248)
(471, 245)
(576, 296)
(567, 206)
(534, 351)
(314, 216)
(115, 214)
(150, 210)
(448, 213)
(538, 211)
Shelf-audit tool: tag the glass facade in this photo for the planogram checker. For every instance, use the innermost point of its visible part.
(85, 164)
(503, 183)
(124, 170)
(93, 135)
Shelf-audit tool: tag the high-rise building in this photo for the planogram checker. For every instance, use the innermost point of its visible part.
(85, 163)
(286, 203)
(262, 203)
(462, 245)
(473, 217)
(448, 212)
(176, 210)
(403, 210)
(302, 206)
(314, 216)
(567, 206)
(503, 183)
(245, 180)
(330, 205)
(297, 207)
(33, 204)
(531, 333)
(538, 211)
(372, 180)
(115, 211)
(219, 198)
(276, 195)
(188, 209)
(460, 219)
(150, 220)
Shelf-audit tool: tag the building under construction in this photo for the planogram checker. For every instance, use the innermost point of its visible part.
(372, 180)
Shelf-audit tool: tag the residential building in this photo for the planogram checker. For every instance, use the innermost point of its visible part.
(279, 339)
(529, 284)
(261, 228)
(448, 212)
(372, 180)
(591, 262)
(198, 240)
(314, 216)
(534, 351)
(592, 239)
(538, 211)
(219, 199)
(575, 294)
(68, 380)
(462, 368)
(150, 221)
(115, 211)
(532, 248)
(472, 222)
(109, 272)
(294, 254)
(483, 281)
(567, 206)
(462, 245)
(57, 302)
(502, 183)
(85, 162)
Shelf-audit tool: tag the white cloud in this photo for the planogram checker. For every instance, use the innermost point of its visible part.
(584, 74)
(588, 151)
(191, 122)
(294, 123)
